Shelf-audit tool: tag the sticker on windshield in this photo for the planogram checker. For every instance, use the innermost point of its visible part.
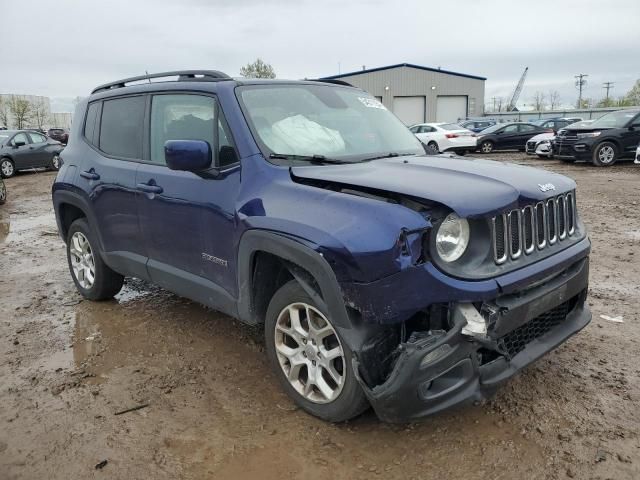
(371, 103)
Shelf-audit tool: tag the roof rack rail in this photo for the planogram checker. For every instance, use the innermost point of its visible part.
(332, 80)
(183, 76)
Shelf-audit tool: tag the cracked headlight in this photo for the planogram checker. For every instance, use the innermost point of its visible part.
(452, 238)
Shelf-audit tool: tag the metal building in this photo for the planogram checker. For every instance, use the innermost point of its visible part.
(419, 94)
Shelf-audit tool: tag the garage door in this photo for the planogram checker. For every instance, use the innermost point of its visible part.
(409, 109)
(451, 108)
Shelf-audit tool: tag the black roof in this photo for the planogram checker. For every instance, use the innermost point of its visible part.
(398, 65)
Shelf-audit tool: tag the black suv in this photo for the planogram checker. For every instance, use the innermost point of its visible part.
(612, 137)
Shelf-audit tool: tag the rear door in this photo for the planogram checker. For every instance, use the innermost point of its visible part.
(525, 132)
(41, 157)
(115, 129)
(630, 137)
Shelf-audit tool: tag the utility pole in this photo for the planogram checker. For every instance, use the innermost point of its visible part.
(608, 86)
(494, 103)
(580, 83)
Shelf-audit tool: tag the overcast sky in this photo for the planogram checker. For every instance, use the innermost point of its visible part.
(63, 49)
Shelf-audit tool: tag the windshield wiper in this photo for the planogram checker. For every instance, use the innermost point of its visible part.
(306, 158)
(388, 155)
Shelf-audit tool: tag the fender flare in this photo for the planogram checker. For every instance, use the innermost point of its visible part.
(294, 252)
(79, 201)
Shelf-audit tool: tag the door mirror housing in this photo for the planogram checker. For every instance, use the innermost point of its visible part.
(187, 155)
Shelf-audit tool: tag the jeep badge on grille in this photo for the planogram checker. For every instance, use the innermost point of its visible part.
(546, 187)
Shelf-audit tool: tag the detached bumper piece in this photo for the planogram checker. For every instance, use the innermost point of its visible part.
(439, 369)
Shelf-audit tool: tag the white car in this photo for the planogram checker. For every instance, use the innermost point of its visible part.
(637, 160)
(442, 137)
(542, 144)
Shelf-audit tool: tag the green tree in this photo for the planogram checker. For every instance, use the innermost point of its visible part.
(258, 69)
(633, 95)
(606, 102)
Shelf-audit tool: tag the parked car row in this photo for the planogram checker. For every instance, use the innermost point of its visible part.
(23, 149)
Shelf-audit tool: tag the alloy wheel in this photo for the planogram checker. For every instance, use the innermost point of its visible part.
(310, 353)
(82, 261)
(487, 147)
(606, 154)
(6, 167)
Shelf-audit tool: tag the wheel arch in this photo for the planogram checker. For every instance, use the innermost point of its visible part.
(268, 259)
(68, 207)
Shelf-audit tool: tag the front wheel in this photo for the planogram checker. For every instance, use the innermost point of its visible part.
(55, 162)
(432, 148)
(93, 278)
(7, 168)
(486, 146)
(605, 154)
(310, 359)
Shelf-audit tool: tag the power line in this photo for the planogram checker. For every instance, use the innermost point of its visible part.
(580, 83)
(608, 86)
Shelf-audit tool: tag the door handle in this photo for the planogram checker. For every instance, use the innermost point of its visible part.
(145, 187)
(90, 174)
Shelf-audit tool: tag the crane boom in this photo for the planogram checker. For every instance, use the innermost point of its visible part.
(516, 93)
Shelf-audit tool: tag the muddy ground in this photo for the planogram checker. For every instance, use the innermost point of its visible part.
(214, 410)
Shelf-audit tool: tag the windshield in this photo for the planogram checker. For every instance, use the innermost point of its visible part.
(333, 122)
(614, 119)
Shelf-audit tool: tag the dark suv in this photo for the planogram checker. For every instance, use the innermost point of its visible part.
(610, 138)
(381, 276)
(59, 134)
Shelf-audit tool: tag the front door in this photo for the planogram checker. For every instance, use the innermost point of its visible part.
(179, 211)
(21, 151)
(509, 137)
(631, 138)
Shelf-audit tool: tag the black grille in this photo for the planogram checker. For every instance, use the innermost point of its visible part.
(500, 235)
(540, 225)
(515, 341)
(531, 146)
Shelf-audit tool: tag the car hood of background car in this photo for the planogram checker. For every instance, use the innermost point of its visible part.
(543, 136)
(470, 187)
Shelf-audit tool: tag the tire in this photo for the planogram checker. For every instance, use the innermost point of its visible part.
(346, 399)
(3, 193)
(605, 154)
(7, 168)
(85, 262)
(486, 146)
(55, 162)
(432, 148)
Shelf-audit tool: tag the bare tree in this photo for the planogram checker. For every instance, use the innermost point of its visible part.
(40, 113)
(4, 112)
(539, 101)
(258, 69)
(500, 103)
(20, 109)
(554, 99)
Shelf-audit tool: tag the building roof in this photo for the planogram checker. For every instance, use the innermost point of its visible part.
(398, 65)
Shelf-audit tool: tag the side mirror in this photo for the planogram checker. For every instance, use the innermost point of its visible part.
(188, 155)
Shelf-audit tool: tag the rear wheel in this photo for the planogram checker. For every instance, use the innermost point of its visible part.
(309, 357)
(432, 148)
(7, 168)
(605, 154)
(93, 278)
(486, 146)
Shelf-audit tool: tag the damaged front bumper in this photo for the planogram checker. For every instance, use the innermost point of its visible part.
(437, 370)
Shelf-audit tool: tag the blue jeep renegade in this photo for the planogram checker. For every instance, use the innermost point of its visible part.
(382, 276)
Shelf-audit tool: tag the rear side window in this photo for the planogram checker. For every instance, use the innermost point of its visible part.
(90, 123)
(37, 138)
(121, 127)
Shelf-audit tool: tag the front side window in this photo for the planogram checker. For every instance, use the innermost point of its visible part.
(20, 138)
(336, 122)
(181, 117)
(121, 127)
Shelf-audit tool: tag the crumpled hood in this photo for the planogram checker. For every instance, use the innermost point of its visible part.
(469, 186)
